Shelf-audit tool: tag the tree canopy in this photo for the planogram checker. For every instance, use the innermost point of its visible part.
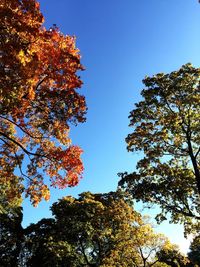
(92, 230)
(166, 130)
(38, 103)
(11, 237)
(97, 227)
(172, 257)
(194, 251)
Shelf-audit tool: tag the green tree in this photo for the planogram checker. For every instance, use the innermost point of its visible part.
(173, 257)
(44, 246)
(92, 230)
(194, 252)
(97, 226)
(11, 237)
(166, 130)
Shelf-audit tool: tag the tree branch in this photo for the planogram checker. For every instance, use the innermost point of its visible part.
(21, 146)
(197, 153)
(18, 161)
(22, 129)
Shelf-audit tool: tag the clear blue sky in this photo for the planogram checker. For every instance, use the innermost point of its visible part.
(120, 41)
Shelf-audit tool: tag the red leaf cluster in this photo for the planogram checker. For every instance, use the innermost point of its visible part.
(38, 99)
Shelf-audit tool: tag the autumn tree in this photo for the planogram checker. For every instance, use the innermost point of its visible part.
(166, 130)
(147, 244)
(38, 104)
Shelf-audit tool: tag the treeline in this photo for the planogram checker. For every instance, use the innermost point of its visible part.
(92, 230)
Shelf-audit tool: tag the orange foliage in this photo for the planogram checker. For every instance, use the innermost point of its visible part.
(38, 99)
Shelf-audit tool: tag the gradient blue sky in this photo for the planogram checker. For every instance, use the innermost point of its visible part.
(120, 41)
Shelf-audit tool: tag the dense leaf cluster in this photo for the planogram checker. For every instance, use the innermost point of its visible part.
(92, 230)
(166, 130)
(38, 103)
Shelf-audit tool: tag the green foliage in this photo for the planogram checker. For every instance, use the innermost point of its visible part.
(173, 257)
(97, 226)
(101, 230)
(166, 130)
(11, 237)
(194, 253)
